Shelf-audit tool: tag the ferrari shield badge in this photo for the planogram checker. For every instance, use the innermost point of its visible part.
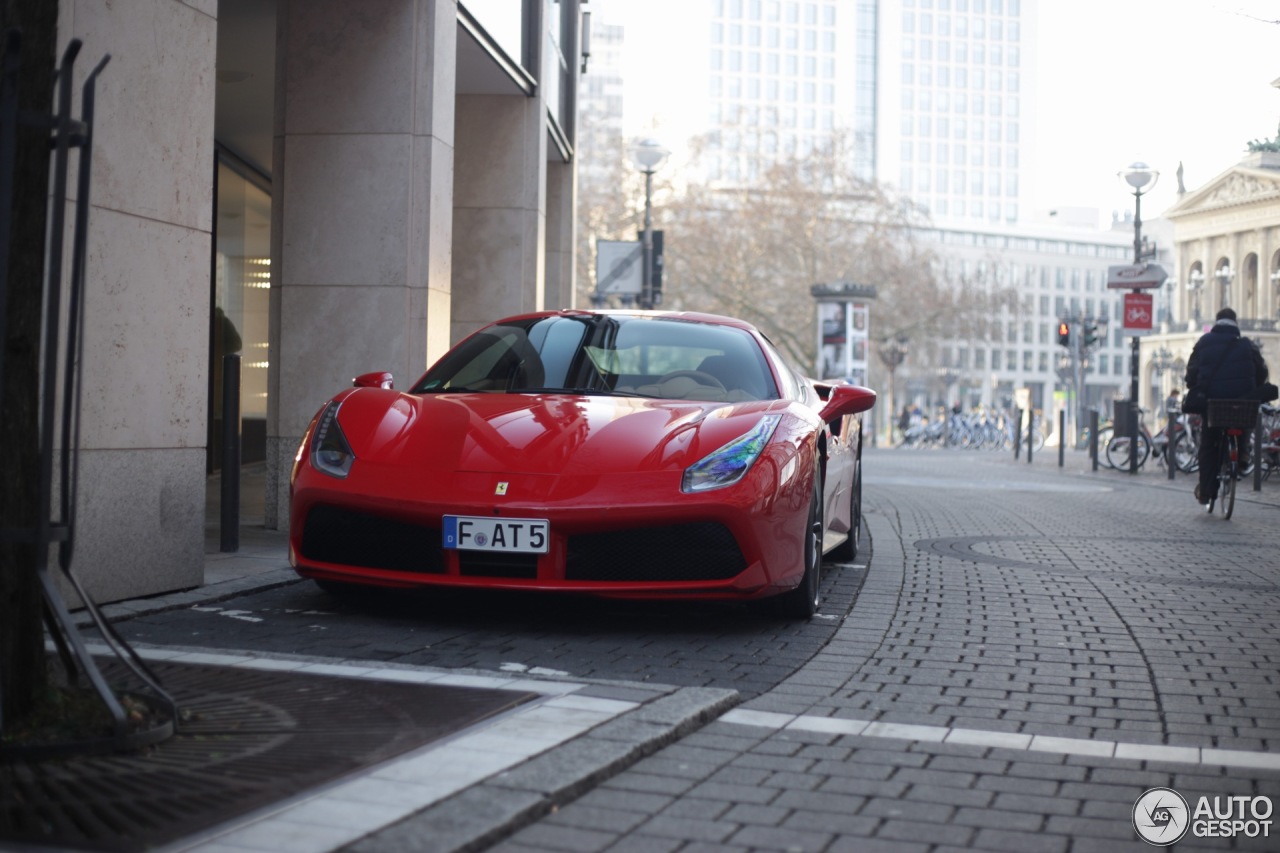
(500, 489)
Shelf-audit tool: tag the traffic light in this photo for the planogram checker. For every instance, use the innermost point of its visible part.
(1090, 333)
(1064, 333)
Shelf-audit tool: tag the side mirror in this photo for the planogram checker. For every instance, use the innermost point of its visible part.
(846, 400)
(380, 379)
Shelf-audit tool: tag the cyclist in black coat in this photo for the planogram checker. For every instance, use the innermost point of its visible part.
(1230, 367)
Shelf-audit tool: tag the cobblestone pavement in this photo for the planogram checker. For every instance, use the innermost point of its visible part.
(1020, 653)
(687, 644)
(1034, 647)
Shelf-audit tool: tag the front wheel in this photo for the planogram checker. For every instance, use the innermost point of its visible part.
(1118, 451)
(802, 602)
(1186, 453)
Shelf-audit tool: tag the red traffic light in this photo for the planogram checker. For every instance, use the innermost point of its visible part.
(1064, 334)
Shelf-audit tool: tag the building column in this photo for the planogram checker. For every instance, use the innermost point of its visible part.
(362, 220)
(499, 209)
(561, 234)
(141, 496)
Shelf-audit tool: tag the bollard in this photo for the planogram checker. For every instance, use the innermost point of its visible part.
(1257, 456)
(1031, 428)
(1169, 461)
(1062, 437)
(230, 515)
(1016, 429)
(1093, 438)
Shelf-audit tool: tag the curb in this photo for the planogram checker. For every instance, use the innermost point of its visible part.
(483, 814)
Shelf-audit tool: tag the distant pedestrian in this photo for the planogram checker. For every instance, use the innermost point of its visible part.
(904, 419)
(1173, 403)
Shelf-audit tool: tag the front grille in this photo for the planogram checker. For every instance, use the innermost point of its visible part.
(478, 564)
(335, 535)
(703, 551)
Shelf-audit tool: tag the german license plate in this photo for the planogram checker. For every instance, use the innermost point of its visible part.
(483, 533)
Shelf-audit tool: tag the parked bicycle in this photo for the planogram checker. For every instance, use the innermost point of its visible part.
(1186, 443)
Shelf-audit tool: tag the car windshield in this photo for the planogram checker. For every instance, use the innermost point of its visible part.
(664, 358)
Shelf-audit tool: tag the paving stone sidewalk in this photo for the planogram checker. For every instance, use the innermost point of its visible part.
(1033, 648)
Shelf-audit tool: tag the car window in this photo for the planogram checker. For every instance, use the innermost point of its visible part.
(608, 354)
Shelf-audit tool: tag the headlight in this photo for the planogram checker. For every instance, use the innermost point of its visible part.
(730, 463)
(330, 451)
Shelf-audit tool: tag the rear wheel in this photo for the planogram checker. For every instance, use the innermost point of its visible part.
(1227, 477)
(802, 602)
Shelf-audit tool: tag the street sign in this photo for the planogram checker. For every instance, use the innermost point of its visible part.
(1136, 277)
(1138, 311)
(619, 267)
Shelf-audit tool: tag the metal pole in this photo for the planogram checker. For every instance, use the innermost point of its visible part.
(1017, 434)
(230, 515)
(1062, 437)
(1169, 461)
(1093, 437)
(1133, 366)
(1031, 428)
(1257, 456)
(646, 289)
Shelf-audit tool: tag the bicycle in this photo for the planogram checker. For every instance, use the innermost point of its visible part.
(1186, 442)
(1235, 418)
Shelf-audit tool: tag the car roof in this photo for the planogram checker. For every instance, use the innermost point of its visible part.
(686, 316)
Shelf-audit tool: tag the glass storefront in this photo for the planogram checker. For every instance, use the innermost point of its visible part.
(240, 303)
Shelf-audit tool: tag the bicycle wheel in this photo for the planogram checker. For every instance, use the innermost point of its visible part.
(1105, 434)
(1118, 451)
(1227, 476)
(1186, 453)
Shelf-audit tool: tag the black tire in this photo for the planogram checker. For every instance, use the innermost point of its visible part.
(338, 589)
(1227, 479)
(847, 551)
(1118, 451)
(802, 602)
(1185, 453)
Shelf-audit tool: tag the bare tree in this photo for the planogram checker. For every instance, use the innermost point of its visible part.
(610, 207)
(755, 249)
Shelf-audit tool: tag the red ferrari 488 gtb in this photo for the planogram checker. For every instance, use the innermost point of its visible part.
(640, 454)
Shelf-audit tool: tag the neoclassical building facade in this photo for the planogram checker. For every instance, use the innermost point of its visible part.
(1227, 254)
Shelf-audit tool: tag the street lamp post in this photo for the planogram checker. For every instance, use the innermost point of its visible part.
(1224, 275)
(1141, 178)
(648, 155)
(892, 353)
(1195, 283)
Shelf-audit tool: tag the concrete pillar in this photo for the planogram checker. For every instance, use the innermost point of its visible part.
(141, 498)
(362, 220)
(561, 231)
(499, 210)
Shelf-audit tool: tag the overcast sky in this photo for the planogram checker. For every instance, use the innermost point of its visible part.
(1160, 81)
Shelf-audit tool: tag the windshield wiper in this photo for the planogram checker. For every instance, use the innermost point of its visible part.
(585, 392)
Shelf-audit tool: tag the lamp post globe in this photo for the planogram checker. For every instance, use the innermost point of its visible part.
(648, 154)
(1140, 176)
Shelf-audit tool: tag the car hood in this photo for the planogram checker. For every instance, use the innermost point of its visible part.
(539, 433)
